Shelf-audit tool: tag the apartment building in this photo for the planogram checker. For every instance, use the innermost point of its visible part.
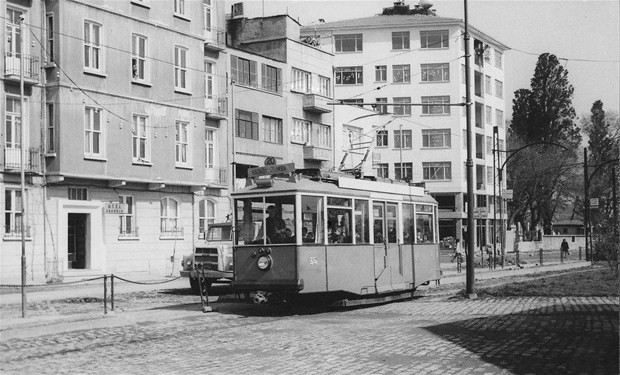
(125, 107)
(405, 68)
(279, 96)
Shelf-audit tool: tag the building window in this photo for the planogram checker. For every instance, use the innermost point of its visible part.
(350, 75)
(301, 132)
(489, 175)
(325, 86)
(499, 118)
(182, 143)
(272, 78)
(488, 85)
(488, 115)
(93, 133)
(435, 108)
(138, 58)
(93, 54)
(401, 73)
(206, 8)
(206, 215)
(127, 221)
(139, 132)
(499, 89)
(436, 138)
(348, 42)
(434, 39)
(272, 130)
(402, 110)
(437, 171)
(489, 145)
(209, 148)
(379, 107)
(77, 194)
(243, 72)
(169, 217)
(51, 129)
(301, 81)
(353, 102)
(50, 36)
(403, 171)
(435, 72)
(180, 8)
(180, 68)
(400, 40)
(209, 69)
(324, 135)
(382, 138)
(247, 124)
(383, 170)
(381, 73)
(402, 138)
(498, 59)
(12, 212)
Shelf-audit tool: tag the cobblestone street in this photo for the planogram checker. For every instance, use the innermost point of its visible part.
(427, 335)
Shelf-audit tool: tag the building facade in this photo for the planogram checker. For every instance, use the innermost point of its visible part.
(279, 96)
(125, 104)
(407, 72)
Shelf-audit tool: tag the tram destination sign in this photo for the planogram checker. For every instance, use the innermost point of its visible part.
(115, 208)
(271, 169)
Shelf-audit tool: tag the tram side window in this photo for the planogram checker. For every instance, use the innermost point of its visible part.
(424, 224)
(249, 221)
(391, 220)
(312, 219)
(362, 227)
(339, 212)
(378, 215)
(280, 219)
(408, 224)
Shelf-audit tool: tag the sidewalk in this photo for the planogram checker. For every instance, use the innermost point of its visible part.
(54, 321)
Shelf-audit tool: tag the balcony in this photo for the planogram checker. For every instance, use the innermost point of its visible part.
(12, 65)
(13, 158)
(132, 232)
(217, 107)
(316, 103)
(215, 40)
(316, 153)
(216, 176)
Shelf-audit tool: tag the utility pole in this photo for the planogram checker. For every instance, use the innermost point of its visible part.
(586, 199)
(495, 150)
(471, 231)
(22, 129)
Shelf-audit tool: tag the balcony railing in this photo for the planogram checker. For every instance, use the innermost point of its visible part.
(215, 40)
(216, 176)
(217, 106)
(316, 153)
(128, 232)
(12, 65)
(171, 232)
(13, 157)
(15, 231)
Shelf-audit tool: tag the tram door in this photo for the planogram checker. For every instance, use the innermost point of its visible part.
(388, 256)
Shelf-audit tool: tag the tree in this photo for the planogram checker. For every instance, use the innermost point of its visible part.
(542, 174)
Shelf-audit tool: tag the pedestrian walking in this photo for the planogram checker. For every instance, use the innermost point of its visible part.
(458, 255)
(564, 247)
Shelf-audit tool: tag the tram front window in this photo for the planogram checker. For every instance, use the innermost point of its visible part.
(270, 221)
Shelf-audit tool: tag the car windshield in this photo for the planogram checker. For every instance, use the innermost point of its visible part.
(219, 233)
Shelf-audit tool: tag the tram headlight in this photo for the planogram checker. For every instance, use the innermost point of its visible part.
(264, 262)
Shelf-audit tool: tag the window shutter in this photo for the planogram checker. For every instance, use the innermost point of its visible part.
(254, 122)
(279, 80)
(253, 78)
(263, 76)
(233, 68)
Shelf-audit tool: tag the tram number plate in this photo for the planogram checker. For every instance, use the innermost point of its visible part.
(313, 261)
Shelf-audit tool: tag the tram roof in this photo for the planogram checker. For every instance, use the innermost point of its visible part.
(343, 186)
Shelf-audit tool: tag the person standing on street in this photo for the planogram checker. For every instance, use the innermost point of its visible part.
(564, 247)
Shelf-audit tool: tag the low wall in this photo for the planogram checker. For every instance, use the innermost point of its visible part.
(550, 242)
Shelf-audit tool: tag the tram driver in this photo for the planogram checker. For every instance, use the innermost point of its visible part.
(276, 227)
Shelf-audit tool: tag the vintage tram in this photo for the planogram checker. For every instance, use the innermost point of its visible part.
(352, 239)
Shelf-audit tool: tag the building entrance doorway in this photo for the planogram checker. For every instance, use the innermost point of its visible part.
(77, 225)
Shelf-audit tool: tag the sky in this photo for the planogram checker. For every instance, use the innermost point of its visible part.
(584, 33)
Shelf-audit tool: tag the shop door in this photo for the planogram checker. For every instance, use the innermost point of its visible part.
(76, 233)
